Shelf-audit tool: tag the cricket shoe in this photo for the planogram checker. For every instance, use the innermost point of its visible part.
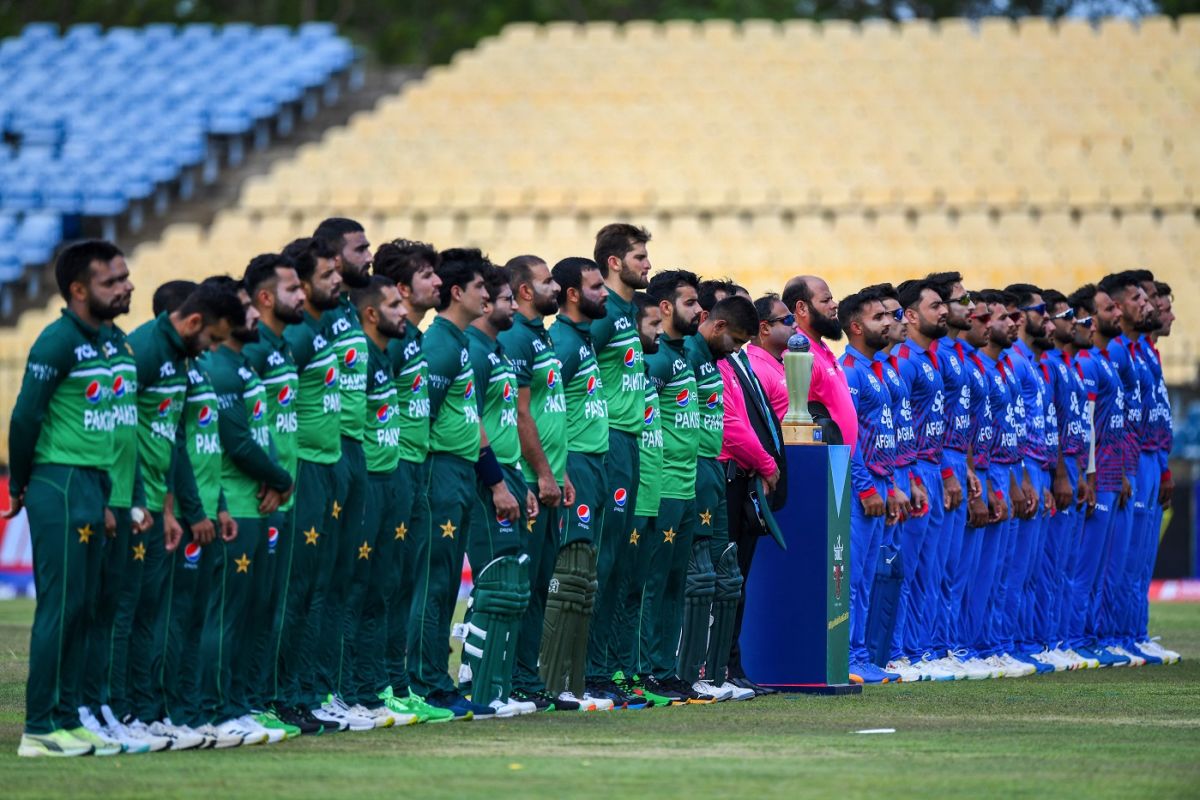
(1131, 660)
(305, 722)
(742, 682)
(1073, 660)
(1051, 659)
(271, 721)
(973, 669)
(704, 687)
(866, 672)
(636, 693)
(631, 699)
(134, 730)
(523, 706)
(1109, 659)
(382, 717)
(1153, 646)
(1015, 668)
(503, 710)
(57, 744)
(256, 729)
(463, 708)
(569, 702)
(599, 701)
(336, 709)
(737, 692)
(983, 665)
(690, 696)
(951, 665)
(1090, 657)
(415, 704)
(1039, 667)
(904, 668)
(1149, 658)
(181, 736)
(227, 734)
(652, 688)
(128, 744)
(539, 700)
(932, 671)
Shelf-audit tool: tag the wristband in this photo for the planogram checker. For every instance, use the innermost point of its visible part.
(947, 472)
(891, 492)
(867, 493)
(1166, 476)
(915, 479)
(487, 468)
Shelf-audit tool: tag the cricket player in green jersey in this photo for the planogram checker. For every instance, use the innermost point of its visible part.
(307, 565)
(352, 259)
(714, 580)
(382, 314)
(675, 380)
(61, 445)
(458, 452)
(162, 348)
(274, 288)
(254, 485)
(411, 266)
(620, 251)
(542, 429)
(500, 593)
(581, 299)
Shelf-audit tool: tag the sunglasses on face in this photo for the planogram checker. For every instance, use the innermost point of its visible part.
(788, 320)
(1068, 314)
(964, 300)
(898, 315)
(1040, 308)
(982, 319)
(1014, 316)
(1084, 321)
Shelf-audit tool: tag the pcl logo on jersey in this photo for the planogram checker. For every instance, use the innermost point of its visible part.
(272, 539)
(191, 553)
(584, 513)
(118, 386)
(648, 417)
(469, 392)
(256, 413)
(351, 358)
(683, 398)
(285, 396)
(417, 383)
(383, 414)
(713, 401)
(92, 392)
(591, 384)
(630, 357)
(163, 407)
(619, 497)
(331, 376)
(508, 392)
(205, 417)
(551, 379)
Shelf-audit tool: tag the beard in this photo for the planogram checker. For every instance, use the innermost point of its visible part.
(107, 311)
(958, 323)
(390, 329)
(545, 306)
(1148, 325)
(1110, 330)
(649, 348)
(827, 327)
(501, 322)
(933, 330)
(245, 335)
(356, 277)
(592, 310)
(689, 328)
(288, 315)
(876, 340)
(633, 278)
(324, 302)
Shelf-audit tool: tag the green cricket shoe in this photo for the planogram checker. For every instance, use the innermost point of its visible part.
(59, 744)
(101, 745)
(651, 689)
(414, 705)
(269, 720)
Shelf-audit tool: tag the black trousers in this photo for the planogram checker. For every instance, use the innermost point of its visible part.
(744, 531)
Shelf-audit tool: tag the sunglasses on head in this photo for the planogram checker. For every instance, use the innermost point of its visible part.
(789, 320)
(1040, 308)
(1084, 321)
(1068, 314)
(964, 300)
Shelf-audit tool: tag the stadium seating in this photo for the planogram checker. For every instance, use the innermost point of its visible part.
(1054, 152)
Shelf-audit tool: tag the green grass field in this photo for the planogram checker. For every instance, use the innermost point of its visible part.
(1113, 733)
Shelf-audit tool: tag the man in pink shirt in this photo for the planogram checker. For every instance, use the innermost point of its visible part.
(775, 327)
(809, 298)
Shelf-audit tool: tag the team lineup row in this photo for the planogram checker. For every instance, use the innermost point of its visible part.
(261, 499)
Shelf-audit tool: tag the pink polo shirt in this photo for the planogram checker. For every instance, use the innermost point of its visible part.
(828, 386)
(740, 442)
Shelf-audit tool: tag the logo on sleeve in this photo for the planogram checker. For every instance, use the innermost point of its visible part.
(683, 398)
(285, 396)
(584, 513)
(118, 386)
(551, 378)
(205, 417)
(713, 401)
(417, 383)
(93, 393)
(469, 392)
(331, 376)
(591, 384)
(648, 417)
(256, 413)
(630, 357)
(351, 358)
(163, 407)
(383, 414)
(508, 392)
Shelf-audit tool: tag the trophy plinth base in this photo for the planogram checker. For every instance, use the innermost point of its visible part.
(801, 433)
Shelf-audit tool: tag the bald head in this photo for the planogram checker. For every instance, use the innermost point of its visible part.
(809, 298)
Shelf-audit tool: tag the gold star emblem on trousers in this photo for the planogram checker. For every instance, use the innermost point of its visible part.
(401, 531)
(311, 536)
(529, 525)
(633, 537)
(669, 536)
(85, 533)
(706, 517)
(139, 552)
(337, 510)
(243, 563)
(364, 551)
(448, 530)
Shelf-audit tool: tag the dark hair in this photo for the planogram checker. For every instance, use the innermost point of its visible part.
(850, 308)
(495, 279)
(261, 270)
(401, 259)
(765, 304)
(304, 254)
(738, 312)
(75, 261)
(1163, 288)
(334, 230)
(1053, 297)
(370, 295)
(170, 296)
(1116, 283)
(1024, 292)
(215, 300)
(1084, 297)
(947, 278)
(224, 282)
(617, 239)
(568, 274)
(796, 290)
(665, 285)
(710, 288)
(882, 291)
(520, 270)
(909, 292)
(1142, 275)
(997, 296)
(458, 267)
(641, 302)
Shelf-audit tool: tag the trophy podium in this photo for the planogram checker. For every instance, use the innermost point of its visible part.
(795, 633)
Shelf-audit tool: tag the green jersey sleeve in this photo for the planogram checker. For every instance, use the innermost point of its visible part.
(49, 363)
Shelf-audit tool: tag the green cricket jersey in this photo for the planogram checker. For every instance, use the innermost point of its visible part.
(622, 368)
(675, 381)
(587, 410)
(318, 400)
(203, 441)
(64, 413)
(248, 460)
(381, 443)
(650, 457)
(162, 388)
(711, 389)
(350, 344)
(536, 364)
(271, 357)
(497, 396)
(124, 404)
(411, 372)
(452, 403)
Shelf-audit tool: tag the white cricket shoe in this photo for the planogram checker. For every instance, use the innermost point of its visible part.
(181, 736)
(227, 734)
(504, 710)
(523, 706)
(249, 723)
(597, 703)
(584, 705)
(932, 671)
(1015, 668)
(738, 693)
(905, 669)
(380, 716)
(93, 726)
(704, 687)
